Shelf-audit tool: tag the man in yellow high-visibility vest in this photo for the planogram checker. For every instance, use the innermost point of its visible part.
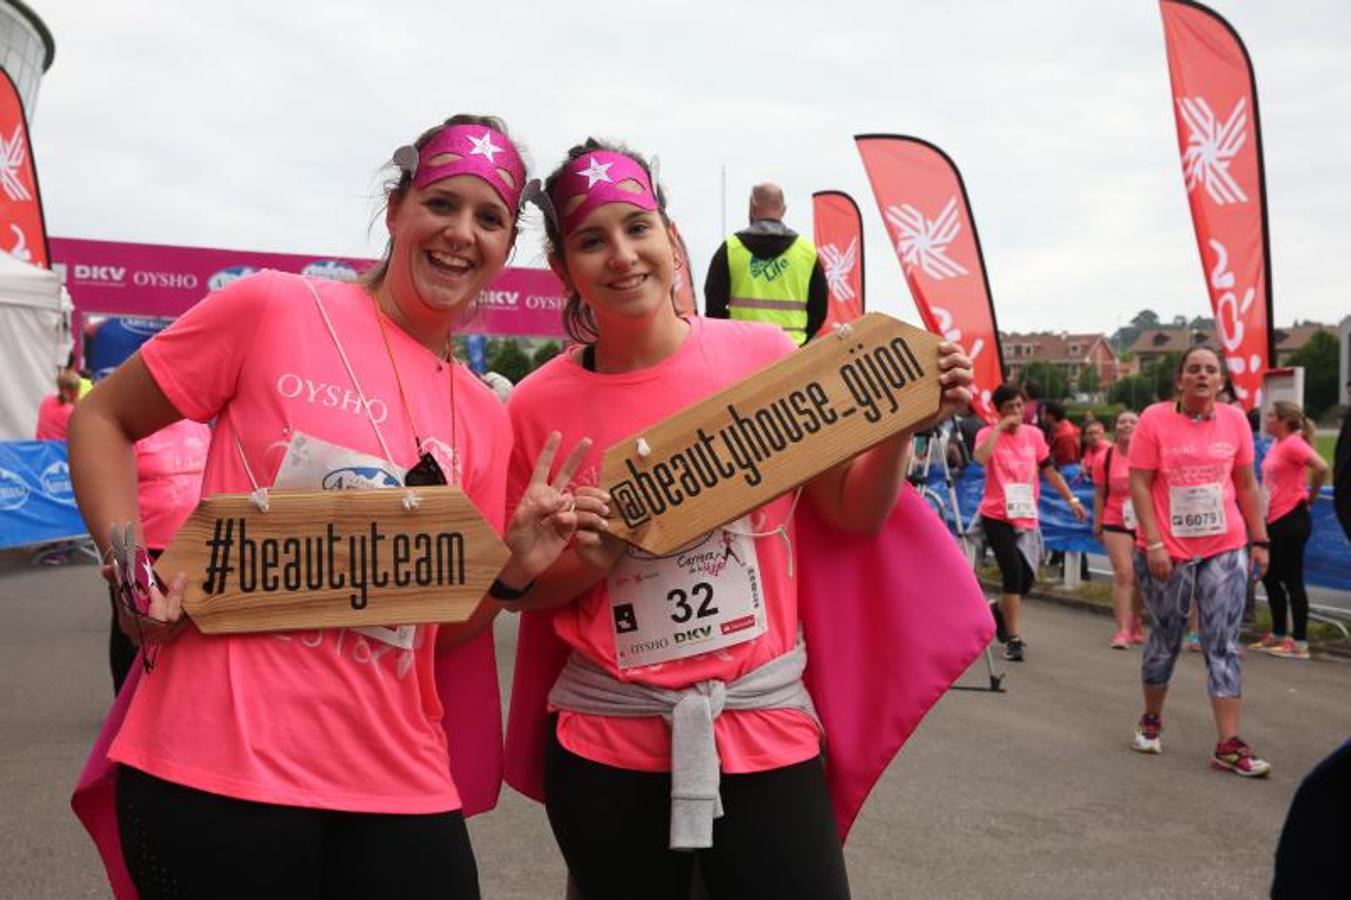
(768, 272)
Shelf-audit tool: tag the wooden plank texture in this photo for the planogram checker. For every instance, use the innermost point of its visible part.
(326, 559)
(740, 448)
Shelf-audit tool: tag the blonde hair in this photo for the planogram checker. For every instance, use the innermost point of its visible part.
(1291, 414)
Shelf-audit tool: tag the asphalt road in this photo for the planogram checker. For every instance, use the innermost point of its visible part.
(1031, 793)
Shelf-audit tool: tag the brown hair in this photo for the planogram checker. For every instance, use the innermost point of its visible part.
(67, 381)
(399, 180)
(578, 320)
(1291, 414)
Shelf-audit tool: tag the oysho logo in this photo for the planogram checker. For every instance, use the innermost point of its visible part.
(331, 269)
(183, 280)
(13, 490)
(55, 481)
(225, 277)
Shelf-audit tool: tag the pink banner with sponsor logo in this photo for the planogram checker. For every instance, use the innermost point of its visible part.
(154, 280)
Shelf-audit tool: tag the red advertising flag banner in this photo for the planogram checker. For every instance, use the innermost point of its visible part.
(1218, 135)
(23, 234)
(924, 204)
(838, 230)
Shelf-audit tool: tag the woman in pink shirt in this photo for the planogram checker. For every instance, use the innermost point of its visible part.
(1114, 525)
(314, 763)
(643, 764)
(55, 409)
(1285, 478)
(1198, 506)
(1015, 455)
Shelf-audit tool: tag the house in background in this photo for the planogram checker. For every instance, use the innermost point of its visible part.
(1070, 352)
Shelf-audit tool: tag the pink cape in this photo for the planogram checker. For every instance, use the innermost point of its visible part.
(891, 622)
(466, 679)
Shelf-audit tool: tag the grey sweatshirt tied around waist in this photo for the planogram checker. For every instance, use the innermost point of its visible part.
(583, 687)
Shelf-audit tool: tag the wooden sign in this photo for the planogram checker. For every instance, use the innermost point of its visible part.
(740, 448)
(328, 559)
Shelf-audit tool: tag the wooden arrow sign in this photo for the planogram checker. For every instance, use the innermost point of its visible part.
(715, 461)
(327, 559)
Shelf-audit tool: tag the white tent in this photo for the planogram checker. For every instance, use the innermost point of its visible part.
(34, 343)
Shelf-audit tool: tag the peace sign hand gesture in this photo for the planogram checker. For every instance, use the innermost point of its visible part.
(548, 516)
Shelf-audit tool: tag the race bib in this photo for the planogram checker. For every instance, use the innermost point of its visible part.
(1197, 510)
(1019, 502)
(699, 599)
(1128, 515)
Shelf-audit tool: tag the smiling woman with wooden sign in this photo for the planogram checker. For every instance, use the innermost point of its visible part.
(316, 762)
(682, 636)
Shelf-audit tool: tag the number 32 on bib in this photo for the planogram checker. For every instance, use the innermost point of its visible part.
(701, 598)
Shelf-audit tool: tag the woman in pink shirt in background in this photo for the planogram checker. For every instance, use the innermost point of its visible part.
(1114, 524)
(55, 410)
(1015, 455)
(314, 763)
(1198, 505)
(643, 767)
(1285, 480)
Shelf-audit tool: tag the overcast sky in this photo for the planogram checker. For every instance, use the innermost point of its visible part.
(258, 124)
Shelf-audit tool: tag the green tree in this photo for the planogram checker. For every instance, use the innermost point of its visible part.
(1055, 385)
(1319, 359)
(1146, 318)
(506, 357)
(1090, 382)
(544, 353)
(1135, 391)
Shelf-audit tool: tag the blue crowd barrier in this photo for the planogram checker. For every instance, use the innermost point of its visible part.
(1327, 558)
(37, 504)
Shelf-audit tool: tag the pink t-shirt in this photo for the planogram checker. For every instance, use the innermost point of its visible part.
(53, 418)
(169, 467)
(563, 396)
(337, 718)
(1284, 475)
(1015, 466)
(1118, 483)
(1194, 462)
(1091, 457)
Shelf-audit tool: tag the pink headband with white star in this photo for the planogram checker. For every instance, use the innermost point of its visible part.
(600, 177)
(469, 150)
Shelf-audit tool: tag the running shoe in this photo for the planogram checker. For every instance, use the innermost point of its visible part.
(1238, 758)
(1192, 642)
(1265, 642)
(1013, 650)
(1290, 649)
(1148, 733)
(1001, 631)
(1121, 640)
(1138, 632)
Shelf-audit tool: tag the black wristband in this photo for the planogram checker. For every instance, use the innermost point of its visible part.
(1264, 544)
(499, 591)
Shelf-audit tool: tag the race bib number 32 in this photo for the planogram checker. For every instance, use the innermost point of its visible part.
(703, 598)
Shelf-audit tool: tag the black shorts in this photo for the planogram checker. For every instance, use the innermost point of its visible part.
(1016, 574)
(1119, 529)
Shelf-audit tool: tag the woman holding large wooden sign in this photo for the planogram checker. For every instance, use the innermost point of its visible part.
(682, 720)
(314, 763)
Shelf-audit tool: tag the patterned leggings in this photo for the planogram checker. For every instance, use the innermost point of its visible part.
(1217, 586)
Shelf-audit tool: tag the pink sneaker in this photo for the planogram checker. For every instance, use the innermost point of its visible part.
(1121, 640)
(1290, 649)
(1137, 631)
(1238, 758)
(1265, 642)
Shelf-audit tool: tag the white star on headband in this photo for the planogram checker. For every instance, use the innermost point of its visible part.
(484, 146)
(597, 171)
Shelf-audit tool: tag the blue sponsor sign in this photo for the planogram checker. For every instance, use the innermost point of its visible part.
(37, 503)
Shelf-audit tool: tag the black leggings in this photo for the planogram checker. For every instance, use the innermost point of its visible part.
(183, 843)
(1285, 575)
(776, 838)
(1017, 575)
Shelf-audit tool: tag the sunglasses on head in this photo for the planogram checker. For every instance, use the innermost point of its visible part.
(427, 473)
